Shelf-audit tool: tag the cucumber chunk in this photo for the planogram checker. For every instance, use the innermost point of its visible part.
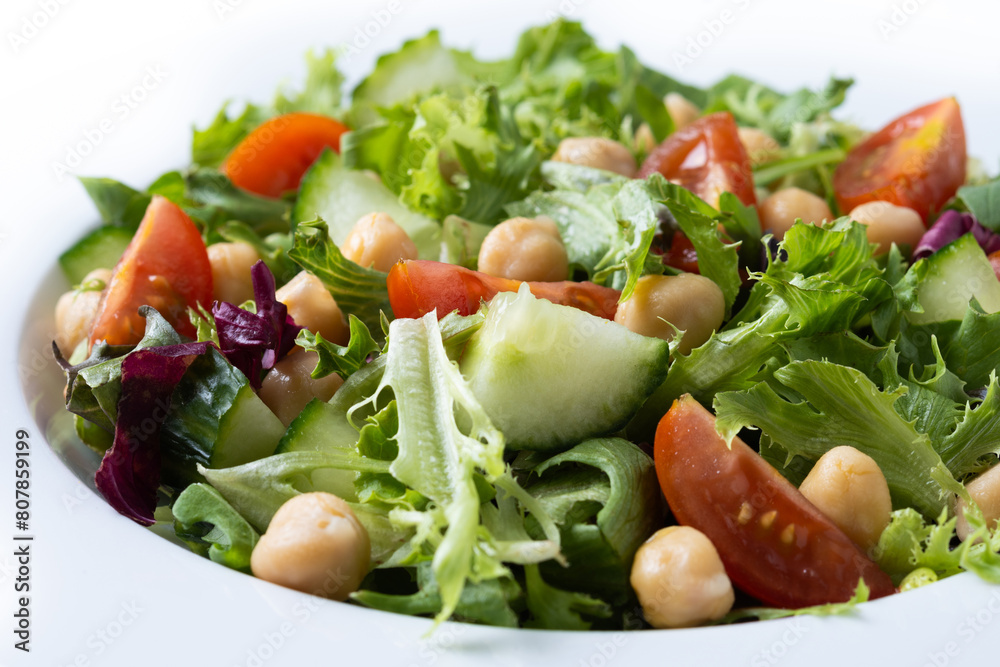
(953, 276)
(322, 427)
(341, 196)
(100, 249)
(550, 376)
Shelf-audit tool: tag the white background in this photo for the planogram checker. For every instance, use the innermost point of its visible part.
(65, 72)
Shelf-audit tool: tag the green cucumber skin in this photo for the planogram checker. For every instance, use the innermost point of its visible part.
(341, 196)
(580, 377)
(955, 274)
(322, 427)
(216, 420)
(100, 249)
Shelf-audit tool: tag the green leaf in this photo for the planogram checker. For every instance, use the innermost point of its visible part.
(118, 204)
(340, 359)
(976, 436)
(769, 613)
(256, 490)
(358, 291)
(973, 351)
(211, 146)
(555, 609)
(441, 459)
(488, 601)
(983, 201)
(322, 91)
(716, 260)
(910, 543)
(841, 406)
(204, 519)
(654, 111)
(604, 496)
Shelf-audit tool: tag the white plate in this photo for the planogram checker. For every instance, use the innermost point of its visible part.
(106, 592)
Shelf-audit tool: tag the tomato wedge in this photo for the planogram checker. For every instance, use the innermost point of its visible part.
(706, 157)
(682, 254)
(417, 286)
(272, 159)
(774, 543)
(917, 160)
(165, 266)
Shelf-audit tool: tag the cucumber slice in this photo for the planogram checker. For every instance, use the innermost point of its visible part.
(341, 196)
(322, 427)
(215, 419)
(100, 249)
(420, 65)
(550, 376)
(952, 277)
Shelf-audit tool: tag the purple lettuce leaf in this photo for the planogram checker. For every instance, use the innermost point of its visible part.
(951, 226)
(130, 471)
(254, 342)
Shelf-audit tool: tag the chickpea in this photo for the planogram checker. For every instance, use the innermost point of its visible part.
(887, 224)
(692, 303)
(644, 142)
(680, 580)
(761, 147)
(376, 241)
(311, 305)
(985, 491)
(525, 249)
(289, 386)
(849, 488)
(76, 311)
(596, 152)
(681, 110)
(779, 211)
(231, 264)
(316, 545)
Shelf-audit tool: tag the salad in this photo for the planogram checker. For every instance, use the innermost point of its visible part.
(555, 341)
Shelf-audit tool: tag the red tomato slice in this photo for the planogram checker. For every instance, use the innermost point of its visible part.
(774, 543)
(272, 159)
(165, 266)
(706, 157)
(416, 287)
(681, 254)
(917, 160)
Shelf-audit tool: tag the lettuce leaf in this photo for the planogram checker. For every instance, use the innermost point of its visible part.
(358, 291)
(838, 405)
(340, 359)
(823, 280)
(211, 526)
(439, 459)
(910, 542)
(604, 497)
